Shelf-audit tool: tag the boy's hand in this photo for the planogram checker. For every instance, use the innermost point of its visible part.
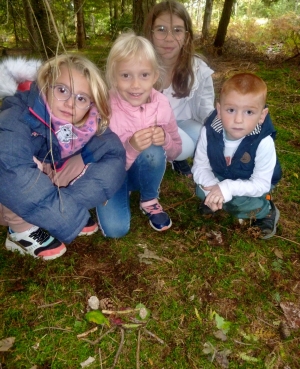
(158, 138)
(214, 199)
(142, 139)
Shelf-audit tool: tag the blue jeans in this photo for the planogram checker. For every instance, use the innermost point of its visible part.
(243, 207)
(145, 176)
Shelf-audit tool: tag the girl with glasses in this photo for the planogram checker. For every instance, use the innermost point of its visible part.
(187, 80)
(58, 159)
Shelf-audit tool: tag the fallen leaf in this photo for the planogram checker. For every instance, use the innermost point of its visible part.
(220, 335)
(97, 317)
(292, 313)
(87, 362)
(278, 253)
(221, 358)
(144, 258)
(6, 343)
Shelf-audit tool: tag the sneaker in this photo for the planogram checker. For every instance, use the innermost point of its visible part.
(158, 219)
(90, 228)
(35, 242)
(268, 224)
(182, 167)
(204, 209)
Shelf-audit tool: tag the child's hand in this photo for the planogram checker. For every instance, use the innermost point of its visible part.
(158, 138)
(215, 198)
(142, 139)
(38, 163)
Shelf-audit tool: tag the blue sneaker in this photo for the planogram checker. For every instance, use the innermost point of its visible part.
(158, 219)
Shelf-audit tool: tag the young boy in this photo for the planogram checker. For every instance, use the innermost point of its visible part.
(235, 164)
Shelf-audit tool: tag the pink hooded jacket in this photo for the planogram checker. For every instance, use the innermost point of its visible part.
(127, 119)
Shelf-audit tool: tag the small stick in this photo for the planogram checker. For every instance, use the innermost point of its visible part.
(49, 305)
(84, 334)
(100, 358)
(138, 348)
(99, 338)
(119, 349)
(109, 312)
(154, 336)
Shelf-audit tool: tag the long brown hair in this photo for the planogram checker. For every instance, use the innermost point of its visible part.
(183, 75)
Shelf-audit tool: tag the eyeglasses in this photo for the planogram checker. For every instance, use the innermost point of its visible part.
(62, 93)
(161, 32)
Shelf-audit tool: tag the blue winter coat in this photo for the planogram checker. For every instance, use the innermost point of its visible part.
(24, 189)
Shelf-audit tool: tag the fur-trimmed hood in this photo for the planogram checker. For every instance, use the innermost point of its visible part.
(15, 71)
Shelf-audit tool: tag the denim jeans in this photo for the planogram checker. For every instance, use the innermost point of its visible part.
(145, 176)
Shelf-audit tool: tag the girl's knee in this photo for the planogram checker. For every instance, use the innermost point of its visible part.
(153, 155)
(118, 231)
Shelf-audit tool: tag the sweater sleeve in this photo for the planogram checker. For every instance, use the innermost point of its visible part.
(202, 100)
(202, 171)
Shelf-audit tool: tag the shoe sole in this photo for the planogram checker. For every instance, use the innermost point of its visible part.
(11, 246)
(162, 229)
(277, 216)
(89, 233)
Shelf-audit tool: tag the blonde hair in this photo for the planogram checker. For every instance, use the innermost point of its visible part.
(245, 83)
(128, 45)
(50, 71)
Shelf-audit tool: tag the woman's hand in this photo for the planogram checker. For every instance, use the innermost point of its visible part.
(158, 138)
(142, 139)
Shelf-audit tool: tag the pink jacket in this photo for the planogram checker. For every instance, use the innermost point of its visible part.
(127, 119)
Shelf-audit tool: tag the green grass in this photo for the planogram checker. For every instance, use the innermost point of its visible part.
(243, 279)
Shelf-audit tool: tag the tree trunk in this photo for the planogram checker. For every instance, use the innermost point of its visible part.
(80, 30)
(207, 18)
(140, 9)
(223, 24)
(44, 29)
(34, 40)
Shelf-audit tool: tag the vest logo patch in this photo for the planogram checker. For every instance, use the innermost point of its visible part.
(246, 158)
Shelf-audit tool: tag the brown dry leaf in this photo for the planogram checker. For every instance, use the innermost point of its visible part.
(278, 253)
(6, 343)
(220, 335)
(292, 313)
(214, 237)
(221, 358)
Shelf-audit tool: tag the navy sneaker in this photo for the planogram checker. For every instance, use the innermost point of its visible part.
(182, 167)
(158, 219)
(268, 224)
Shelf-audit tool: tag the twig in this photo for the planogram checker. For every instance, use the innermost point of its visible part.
(129, 311)
(84, 334)
(154, 336)
(242, 343)
(99, 338)
(138, 349)
(172, 206)
(57, 328)
(100, 358)
(119, 349)
(49, 305)
(265, 322)
(286, 239)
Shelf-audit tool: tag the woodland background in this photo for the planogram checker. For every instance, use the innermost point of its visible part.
(218, 296)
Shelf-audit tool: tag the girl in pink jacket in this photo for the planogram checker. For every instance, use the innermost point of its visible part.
(144, 121)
